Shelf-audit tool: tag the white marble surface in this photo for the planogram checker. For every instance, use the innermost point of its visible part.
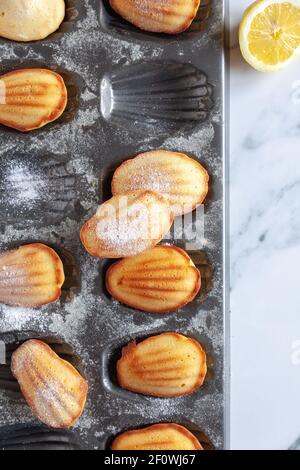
(265, 251)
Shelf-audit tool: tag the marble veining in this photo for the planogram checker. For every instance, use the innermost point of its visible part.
(265, 252)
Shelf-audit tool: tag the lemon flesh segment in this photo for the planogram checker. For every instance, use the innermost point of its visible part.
(270, 38)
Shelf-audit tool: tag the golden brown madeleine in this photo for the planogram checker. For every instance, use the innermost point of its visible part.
(167, 365)
(30, 20)
(166, 436)
(52, 387)
(31, 98)
(30, 276)
(181, 179)
(159, 280)
(159, 16)
(127, 225)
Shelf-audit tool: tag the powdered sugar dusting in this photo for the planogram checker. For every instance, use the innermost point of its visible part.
(125, 226)
(150, 177)
(51, 205)
(22, 187)
(145, 11)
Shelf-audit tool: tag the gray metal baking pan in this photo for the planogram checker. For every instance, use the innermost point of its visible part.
(53, 179)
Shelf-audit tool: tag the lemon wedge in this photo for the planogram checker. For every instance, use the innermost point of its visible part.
(270, 34)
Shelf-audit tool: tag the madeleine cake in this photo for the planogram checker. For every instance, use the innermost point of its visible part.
(30, 20)
(159, 280)
(30, 276)
(52, 387)
(161, 16)
(31, 98)
(181, 179)
(166, 436)
(127, 225)
(167, 365)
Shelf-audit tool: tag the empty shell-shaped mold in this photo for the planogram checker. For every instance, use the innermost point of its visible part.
(38, 192)
(163, 97)
(32, 437)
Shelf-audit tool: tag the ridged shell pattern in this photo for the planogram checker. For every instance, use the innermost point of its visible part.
(159, 280)
(181, 179)
(33, 437)
(42, 192)
(166, 365)
(168, 436)
(30, 276)
(156, 96)
(54, 390)
(31, 98)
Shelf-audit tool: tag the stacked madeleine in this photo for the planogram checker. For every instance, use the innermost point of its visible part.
(180, 179)
(148, 192)
(127, 224)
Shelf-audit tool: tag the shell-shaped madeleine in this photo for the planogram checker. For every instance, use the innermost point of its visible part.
(167, 365)
(30, 276)
(127, 225)
(52, 387)
(165, 436)
(30, 20)
(161, 16)
(159, 280)
(31, 98)
(181, 179)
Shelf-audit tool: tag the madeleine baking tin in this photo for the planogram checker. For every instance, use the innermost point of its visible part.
(129, 91)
